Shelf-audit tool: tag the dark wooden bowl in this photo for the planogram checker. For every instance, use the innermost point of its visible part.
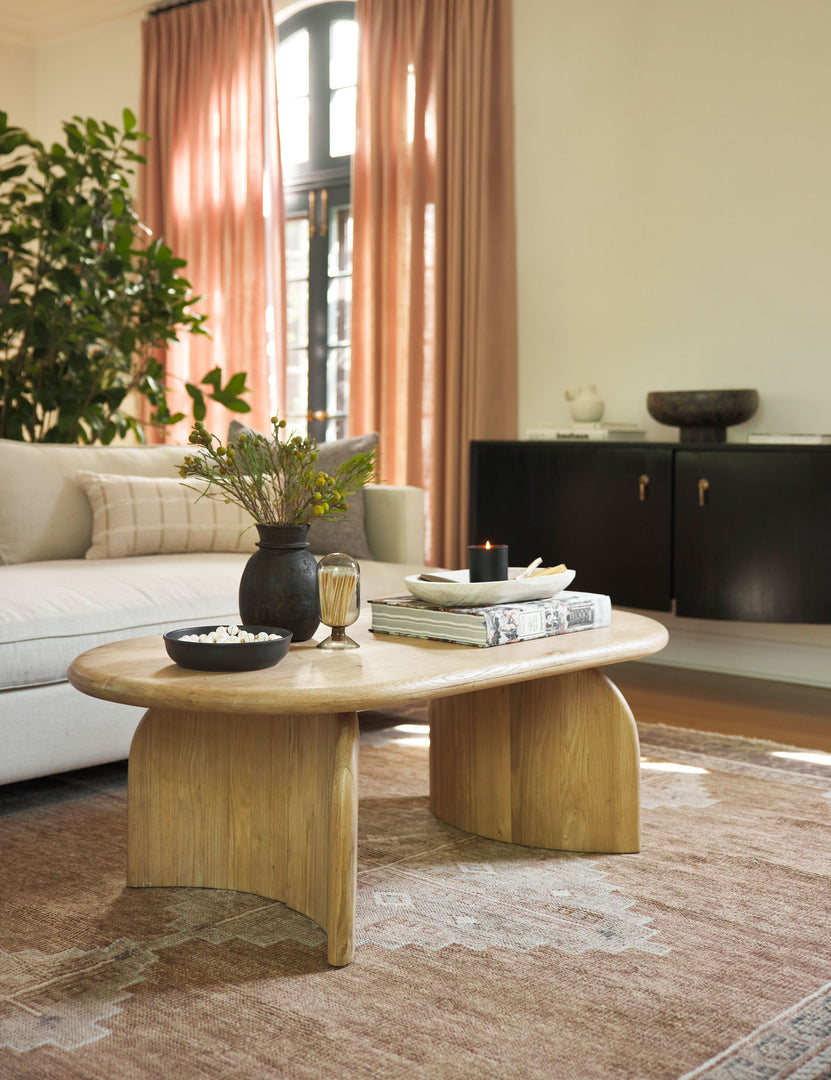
(702, 415)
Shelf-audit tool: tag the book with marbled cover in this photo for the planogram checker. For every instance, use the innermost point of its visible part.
(496, 624)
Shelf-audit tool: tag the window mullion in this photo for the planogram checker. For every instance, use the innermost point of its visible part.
(318, 251)
(319, 92)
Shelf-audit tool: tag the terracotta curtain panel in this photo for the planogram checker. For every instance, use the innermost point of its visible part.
(435, 308)
(212, 188)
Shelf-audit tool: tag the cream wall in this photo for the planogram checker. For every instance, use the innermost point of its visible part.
(674, 188)
(96, 73)
(674, 231)
(92, 74)
(17, 84)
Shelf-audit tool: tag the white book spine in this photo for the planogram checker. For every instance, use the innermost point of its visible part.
(584, 435)
(759, 438)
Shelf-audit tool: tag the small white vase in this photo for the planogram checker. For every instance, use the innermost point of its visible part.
(584, 403)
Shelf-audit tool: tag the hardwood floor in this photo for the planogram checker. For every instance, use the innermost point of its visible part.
(704, 701)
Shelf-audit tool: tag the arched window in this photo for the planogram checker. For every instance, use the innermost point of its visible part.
(317, 67)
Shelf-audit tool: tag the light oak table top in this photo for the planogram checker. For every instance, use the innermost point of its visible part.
(385, 671)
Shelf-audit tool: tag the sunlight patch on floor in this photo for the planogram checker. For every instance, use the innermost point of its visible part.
(814, 757)
(412, 734)
(670, 766)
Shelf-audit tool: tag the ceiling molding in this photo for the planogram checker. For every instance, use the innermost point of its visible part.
(43, 22)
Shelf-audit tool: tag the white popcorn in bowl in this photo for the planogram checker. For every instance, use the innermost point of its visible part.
(230, 635)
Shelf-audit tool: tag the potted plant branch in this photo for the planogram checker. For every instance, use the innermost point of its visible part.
(275, 480)
(278, 482)
(87, 298)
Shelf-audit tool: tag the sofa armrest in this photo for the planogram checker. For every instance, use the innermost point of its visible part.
(394, 519)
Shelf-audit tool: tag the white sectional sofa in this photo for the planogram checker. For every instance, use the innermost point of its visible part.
(55, 602)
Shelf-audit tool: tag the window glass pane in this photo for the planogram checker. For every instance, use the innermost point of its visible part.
(340, 311)
(294, 131)
(297, 389)
(297, 314)
(342, 122)
(340, 241)
(297, 249)
(343, 55)
(337, 381)
(336, 429)
(293, 66)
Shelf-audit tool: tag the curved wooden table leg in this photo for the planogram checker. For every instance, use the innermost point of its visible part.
(552, 763)
(261, 804)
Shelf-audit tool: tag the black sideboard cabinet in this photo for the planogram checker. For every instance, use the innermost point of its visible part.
(727, 531)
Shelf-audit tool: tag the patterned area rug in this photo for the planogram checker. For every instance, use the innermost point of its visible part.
(705, 956)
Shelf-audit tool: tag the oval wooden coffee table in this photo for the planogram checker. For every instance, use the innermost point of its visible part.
(249, 780)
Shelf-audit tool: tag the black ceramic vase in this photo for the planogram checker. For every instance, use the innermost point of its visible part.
(278, 586)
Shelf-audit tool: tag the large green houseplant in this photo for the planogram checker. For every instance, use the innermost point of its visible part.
(87, 297)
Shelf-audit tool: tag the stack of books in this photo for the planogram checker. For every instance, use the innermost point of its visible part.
(588, 432)
(496, 624)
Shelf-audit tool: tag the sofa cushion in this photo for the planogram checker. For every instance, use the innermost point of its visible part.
(52, 611)
(159, 515)
(45, 514)
(347, 531)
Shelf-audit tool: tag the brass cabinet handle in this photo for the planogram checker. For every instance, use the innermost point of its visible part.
(643, 484)
(311, 214)
(324, 212)
(703, 488)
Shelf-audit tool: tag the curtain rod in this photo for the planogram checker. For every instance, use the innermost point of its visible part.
(160, 9)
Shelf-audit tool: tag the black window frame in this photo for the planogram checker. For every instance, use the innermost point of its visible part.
(310, 188)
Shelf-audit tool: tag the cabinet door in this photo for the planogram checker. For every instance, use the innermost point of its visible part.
(603, 510)
(752, 530)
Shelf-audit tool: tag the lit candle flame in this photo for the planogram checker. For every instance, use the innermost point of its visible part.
(487, 544)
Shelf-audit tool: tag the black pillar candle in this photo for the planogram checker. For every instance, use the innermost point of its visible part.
(488, 562)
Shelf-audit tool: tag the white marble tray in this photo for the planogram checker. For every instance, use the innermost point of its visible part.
(463, 593)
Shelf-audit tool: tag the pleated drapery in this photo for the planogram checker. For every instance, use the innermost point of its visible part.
(434, 290)
(212, 188)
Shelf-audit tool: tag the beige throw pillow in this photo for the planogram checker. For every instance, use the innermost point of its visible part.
(345, 532)
(44, 514)
(152, 515)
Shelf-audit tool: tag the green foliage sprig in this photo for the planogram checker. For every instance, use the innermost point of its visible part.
(275, 480)
(86, 298)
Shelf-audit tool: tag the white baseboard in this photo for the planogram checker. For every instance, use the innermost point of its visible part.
(780, 652)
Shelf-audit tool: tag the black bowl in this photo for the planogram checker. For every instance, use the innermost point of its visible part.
(702, 415)
(208, 656)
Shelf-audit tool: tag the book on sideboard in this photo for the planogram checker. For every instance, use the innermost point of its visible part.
(806, 438)
(496, 624)
(588, 432)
